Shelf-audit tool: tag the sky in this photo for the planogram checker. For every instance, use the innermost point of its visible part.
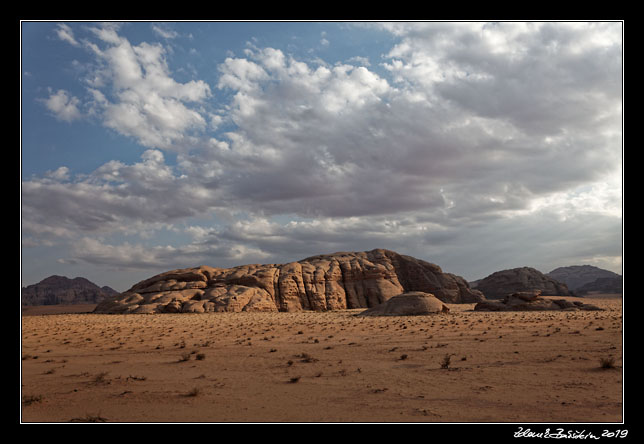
(477, 146)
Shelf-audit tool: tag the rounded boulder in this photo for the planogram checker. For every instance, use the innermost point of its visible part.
(408, 304)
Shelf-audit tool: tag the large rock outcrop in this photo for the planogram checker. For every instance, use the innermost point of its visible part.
(56, 290)
(524, 279)
(325, 282)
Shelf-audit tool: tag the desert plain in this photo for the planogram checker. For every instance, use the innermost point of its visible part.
(464, 366)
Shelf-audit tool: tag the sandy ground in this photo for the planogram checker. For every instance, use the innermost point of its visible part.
(324, 367)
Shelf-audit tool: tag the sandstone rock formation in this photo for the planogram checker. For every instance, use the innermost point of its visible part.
(56, 290)
(505, 282)
(325, 282)
(408, 304)
(531, 301)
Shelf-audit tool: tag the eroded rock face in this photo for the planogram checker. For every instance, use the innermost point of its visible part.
(412, 303)
(325, 282)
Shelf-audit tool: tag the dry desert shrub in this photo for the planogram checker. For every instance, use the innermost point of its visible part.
(89, 418)
(607, 363)
(306, 358)
(100, 378)
(30, 399)
(446, 361)
(194, 392)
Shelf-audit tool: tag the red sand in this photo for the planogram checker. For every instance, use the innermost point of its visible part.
(323, 367)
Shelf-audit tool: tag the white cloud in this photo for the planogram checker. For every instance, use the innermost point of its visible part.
(359, 60)
(320, 142)
(107, 32)
(164, 31)
(144, 101)
(60, 174)
(240, 74)
(116, 198)
(540, 77)
(65, 33)
(600, 198)
(63, 105)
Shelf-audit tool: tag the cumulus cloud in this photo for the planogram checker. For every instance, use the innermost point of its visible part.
(140, 98)
(114, 198)
(63, 105)
(474, 122)
(543, 78)
(60, 174)
(505, 136)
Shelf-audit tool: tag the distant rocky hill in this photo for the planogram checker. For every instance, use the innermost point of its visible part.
(601, 285)
(56, 290)
(524, 279)
(532, 301)
(325, 282)
(577, 276)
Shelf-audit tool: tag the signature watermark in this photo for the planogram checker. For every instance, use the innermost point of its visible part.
(561, 433)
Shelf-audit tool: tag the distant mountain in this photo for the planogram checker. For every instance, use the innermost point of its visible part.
(56, 290)
(504, 282)
(577, 276)
(601, 285)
